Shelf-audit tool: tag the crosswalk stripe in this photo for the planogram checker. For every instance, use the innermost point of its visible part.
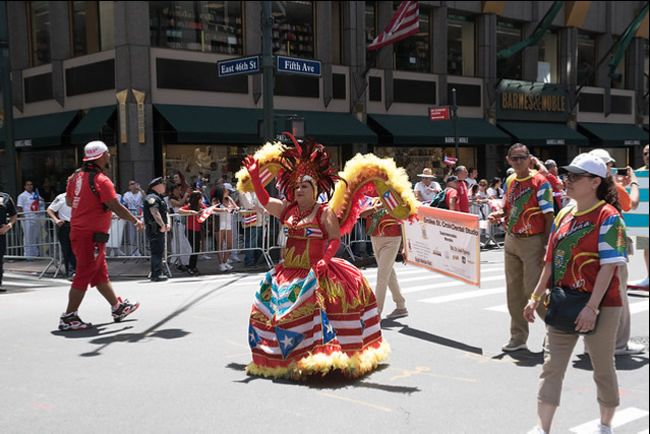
(423, 274)
(30, 278)
(21, 284)
(450, 284)
(645, 431)
(641, 306)
(621, 418)
(410, 279)
(499, 308)
(463, 295)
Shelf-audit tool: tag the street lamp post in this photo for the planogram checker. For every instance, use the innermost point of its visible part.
(267, 70)
(9, 169)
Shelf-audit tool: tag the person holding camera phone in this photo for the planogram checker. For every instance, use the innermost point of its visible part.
(92, 197)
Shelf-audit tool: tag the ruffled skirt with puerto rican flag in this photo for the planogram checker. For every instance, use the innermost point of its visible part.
(302, 325)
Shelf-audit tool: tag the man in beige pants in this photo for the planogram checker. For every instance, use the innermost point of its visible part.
(386, 237)
(528, 214)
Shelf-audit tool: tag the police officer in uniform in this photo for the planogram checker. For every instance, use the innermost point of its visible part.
(8, 217)
(157, 223)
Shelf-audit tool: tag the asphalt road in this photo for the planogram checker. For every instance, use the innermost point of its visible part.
(178, 365)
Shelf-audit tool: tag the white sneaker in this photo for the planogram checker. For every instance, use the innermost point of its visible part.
(603, 429)
(228, 266)
(536, 430)
(640, 284)
(630, 349)
(223, 267)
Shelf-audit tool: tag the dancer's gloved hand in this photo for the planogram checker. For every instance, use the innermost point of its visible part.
(330, 252)
(253, 168)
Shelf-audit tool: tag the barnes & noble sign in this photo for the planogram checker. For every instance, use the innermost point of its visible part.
(526, 101)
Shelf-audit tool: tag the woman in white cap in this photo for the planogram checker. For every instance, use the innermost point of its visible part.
(585, 251)
(426, 189)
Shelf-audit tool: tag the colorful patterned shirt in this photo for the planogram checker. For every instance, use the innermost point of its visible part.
(526, 202)
(582, 242)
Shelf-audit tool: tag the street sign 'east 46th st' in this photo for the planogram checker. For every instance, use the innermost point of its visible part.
(241, 65)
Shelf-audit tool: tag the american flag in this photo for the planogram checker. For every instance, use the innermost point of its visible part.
(265, 176)
(450, 161)
(205, 214)
(250, 219)
(390, 200)
(404, 23)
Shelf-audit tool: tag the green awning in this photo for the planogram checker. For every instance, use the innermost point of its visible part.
(195, 124)
(419, 130)
(543, 133)
(91, 126)
(614, 134)
(42, 130)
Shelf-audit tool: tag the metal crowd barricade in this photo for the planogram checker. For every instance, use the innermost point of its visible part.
(34, 237)
(214, 236)
(488, 229)
(125, 242)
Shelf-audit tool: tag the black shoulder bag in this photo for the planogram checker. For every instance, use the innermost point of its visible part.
(564, 305)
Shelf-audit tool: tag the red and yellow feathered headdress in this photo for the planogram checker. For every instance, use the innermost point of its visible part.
(306, 162)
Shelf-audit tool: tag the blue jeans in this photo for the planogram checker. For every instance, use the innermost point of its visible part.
(252, 239)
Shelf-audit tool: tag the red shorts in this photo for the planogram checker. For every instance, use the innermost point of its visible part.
(90, 270)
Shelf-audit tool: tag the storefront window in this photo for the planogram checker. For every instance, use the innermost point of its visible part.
(209, 26)
(414, 159)
(371, 31)
(412, 53)
(586, 59)
(215, 161)
(547, 64)
(49, 169)
(92, 26)
(460, 45)
(39, 22)
(293, 28)
(508, 34)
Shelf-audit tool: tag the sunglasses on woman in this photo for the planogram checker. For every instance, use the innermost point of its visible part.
(573, 177)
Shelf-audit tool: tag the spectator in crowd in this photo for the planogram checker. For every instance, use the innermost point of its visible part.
(553, 178)
(180, 245)
(627, 202)
(60, 214)
(29, 204)
(8, 218)
(463, 194)
(194, 209)
(528, 213)
(495, 191)
(472, 176)
(252, 221)
(479, 199)
(225, 206)
(642, 240)
(593, 191)
(451, 196)
(426, 189)
(156, 219)
(386, 238)
(133, 199)
(179, 179)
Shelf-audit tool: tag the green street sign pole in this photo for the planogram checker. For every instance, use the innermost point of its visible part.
(9, 169)
(267, 70)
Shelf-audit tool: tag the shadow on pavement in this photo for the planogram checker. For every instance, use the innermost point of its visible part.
(333, 380)
(153, 332)
(435, 339)
(623, 363)
(96, 330)
(524, 358)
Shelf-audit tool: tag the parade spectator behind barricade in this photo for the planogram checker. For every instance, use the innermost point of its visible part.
(642, 240)
(386, 238)
(60, 214)
(237, 240)
(180, 245)
(92, 197)
(627, 202)
(495, 191)
(197, 213)
(553, 177)
(133, 200)
(479, 199)
(225, 206)
(451, 193)
(463, 194)
(528, 213)
(156, 219)
(592, 229)
(471, 179)
(252, 221)
(426, 189)
(29, 204)
(8, 218)
(179, 179)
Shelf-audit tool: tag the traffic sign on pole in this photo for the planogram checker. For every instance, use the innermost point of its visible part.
(295, 65)
(240, 65)
(439, 113)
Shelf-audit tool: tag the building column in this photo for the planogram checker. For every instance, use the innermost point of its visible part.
(60, 46)
(635, 79)
(439, 33)
(486, 66)
(530, 55)
(386, 55)
(354, 55)
(18, 49)
(569, 66)
(324, 47)
(253, 42)
(133, 72)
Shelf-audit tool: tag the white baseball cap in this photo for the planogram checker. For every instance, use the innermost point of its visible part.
(95, 149)
(603, 155)
(587, 163)
(228, 186)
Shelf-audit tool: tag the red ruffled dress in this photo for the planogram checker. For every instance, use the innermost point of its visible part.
(301, 324)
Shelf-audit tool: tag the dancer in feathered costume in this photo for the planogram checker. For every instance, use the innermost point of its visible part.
(315, 313)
